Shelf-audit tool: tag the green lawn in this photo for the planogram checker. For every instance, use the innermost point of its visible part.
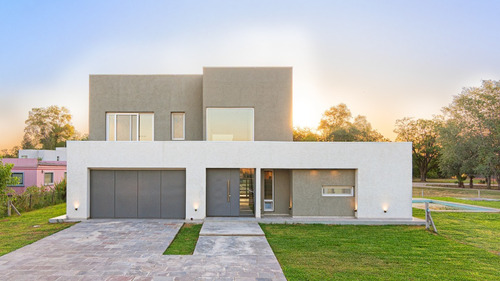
(454, 192)
(185, 240)
(481, 230)
(464, 250)
(491, 204)
(452, 180)
(17, 232)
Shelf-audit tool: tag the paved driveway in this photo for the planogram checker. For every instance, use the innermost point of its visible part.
(132, 250)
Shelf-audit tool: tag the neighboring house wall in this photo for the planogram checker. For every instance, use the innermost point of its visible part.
(59, 154)
(159, 94)
(34, 172)
(266, 89)
(382, 170)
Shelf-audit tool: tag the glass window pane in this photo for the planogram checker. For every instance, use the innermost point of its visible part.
(337, 190)
(146, 127)
(122, 127)
(20, 177)
(268, 185)
(178, 126)
(48, 178)
(133, 127)
(111, 127)
(230, 124)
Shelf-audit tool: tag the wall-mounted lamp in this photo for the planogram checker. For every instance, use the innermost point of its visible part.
(195, 206)
(76, 205)
(385, 207)
(355, 210)
(196, 210)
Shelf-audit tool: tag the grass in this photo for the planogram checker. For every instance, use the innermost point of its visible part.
(185, 240)
(17, 232)
(326, 252)
(454, 192)
(491, 204)
(452, 180)
(480, 230)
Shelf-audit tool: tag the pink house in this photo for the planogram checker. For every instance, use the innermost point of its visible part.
(33, 172)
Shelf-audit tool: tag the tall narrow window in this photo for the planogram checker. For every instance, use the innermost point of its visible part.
(178, 125)
(268, 190)
(129, 126)
(230, 124)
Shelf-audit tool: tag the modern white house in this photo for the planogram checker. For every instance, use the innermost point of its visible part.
(220, 144)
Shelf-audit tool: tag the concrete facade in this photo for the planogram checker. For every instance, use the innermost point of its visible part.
(308, 199)
(266, 89)
(374, 163)
(59, 154)
(300, 169)
(158, 94)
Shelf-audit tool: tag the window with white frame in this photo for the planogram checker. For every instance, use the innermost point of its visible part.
(337, 190)
(20, 179)
(178, 125)
(129, 126)
(268, 190)
(230, 124)
(48, 178)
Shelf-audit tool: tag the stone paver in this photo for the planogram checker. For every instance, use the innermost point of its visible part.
(233, 246)
(231, 228)
(133, 250)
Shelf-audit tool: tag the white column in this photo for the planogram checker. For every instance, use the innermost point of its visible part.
(257, 198)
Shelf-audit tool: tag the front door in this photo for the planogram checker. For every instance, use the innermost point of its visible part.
(223, 192)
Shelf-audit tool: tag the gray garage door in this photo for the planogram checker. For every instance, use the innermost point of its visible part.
(138, 194)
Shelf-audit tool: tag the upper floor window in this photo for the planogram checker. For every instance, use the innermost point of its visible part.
(230, 124)
(178, 125)
(129, 126)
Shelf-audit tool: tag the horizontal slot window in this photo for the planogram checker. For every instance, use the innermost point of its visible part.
(336, 190)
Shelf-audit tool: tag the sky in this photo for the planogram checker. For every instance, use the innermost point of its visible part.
(384, 59)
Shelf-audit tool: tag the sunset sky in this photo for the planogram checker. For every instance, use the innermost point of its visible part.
(384, 59)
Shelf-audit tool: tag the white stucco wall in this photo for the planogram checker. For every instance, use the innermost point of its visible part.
(383, 169)
(46, 155)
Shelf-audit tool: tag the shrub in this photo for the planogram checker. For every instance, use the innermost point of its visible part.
(35, 198)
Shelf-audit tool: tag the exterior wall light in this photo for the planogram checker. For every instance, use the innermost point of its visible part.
(76, 205)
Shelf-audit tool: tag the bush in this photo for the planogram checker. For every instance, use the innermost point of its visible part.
(35, 198)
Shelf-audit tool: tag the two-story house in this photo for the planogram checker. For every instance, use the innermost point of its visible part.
(221, 144)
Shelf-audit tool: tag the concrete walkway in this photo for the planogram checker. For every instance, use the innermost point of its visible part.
(244, 241)
(133, 250)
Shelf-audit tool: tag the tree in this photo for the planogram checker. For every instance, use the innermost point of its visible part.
(304, 134)
(455, 151)
(423, 135)
(336, 125)
(48, 128)
(10, 153)
(6, 178)
(473, 126)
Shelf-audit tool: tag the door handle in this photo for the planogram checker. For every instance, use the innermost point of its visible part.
(228, 192)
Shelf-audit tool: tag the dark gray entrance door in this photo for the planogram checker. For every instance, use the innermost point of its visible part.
(223, 197)
(138, 194)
